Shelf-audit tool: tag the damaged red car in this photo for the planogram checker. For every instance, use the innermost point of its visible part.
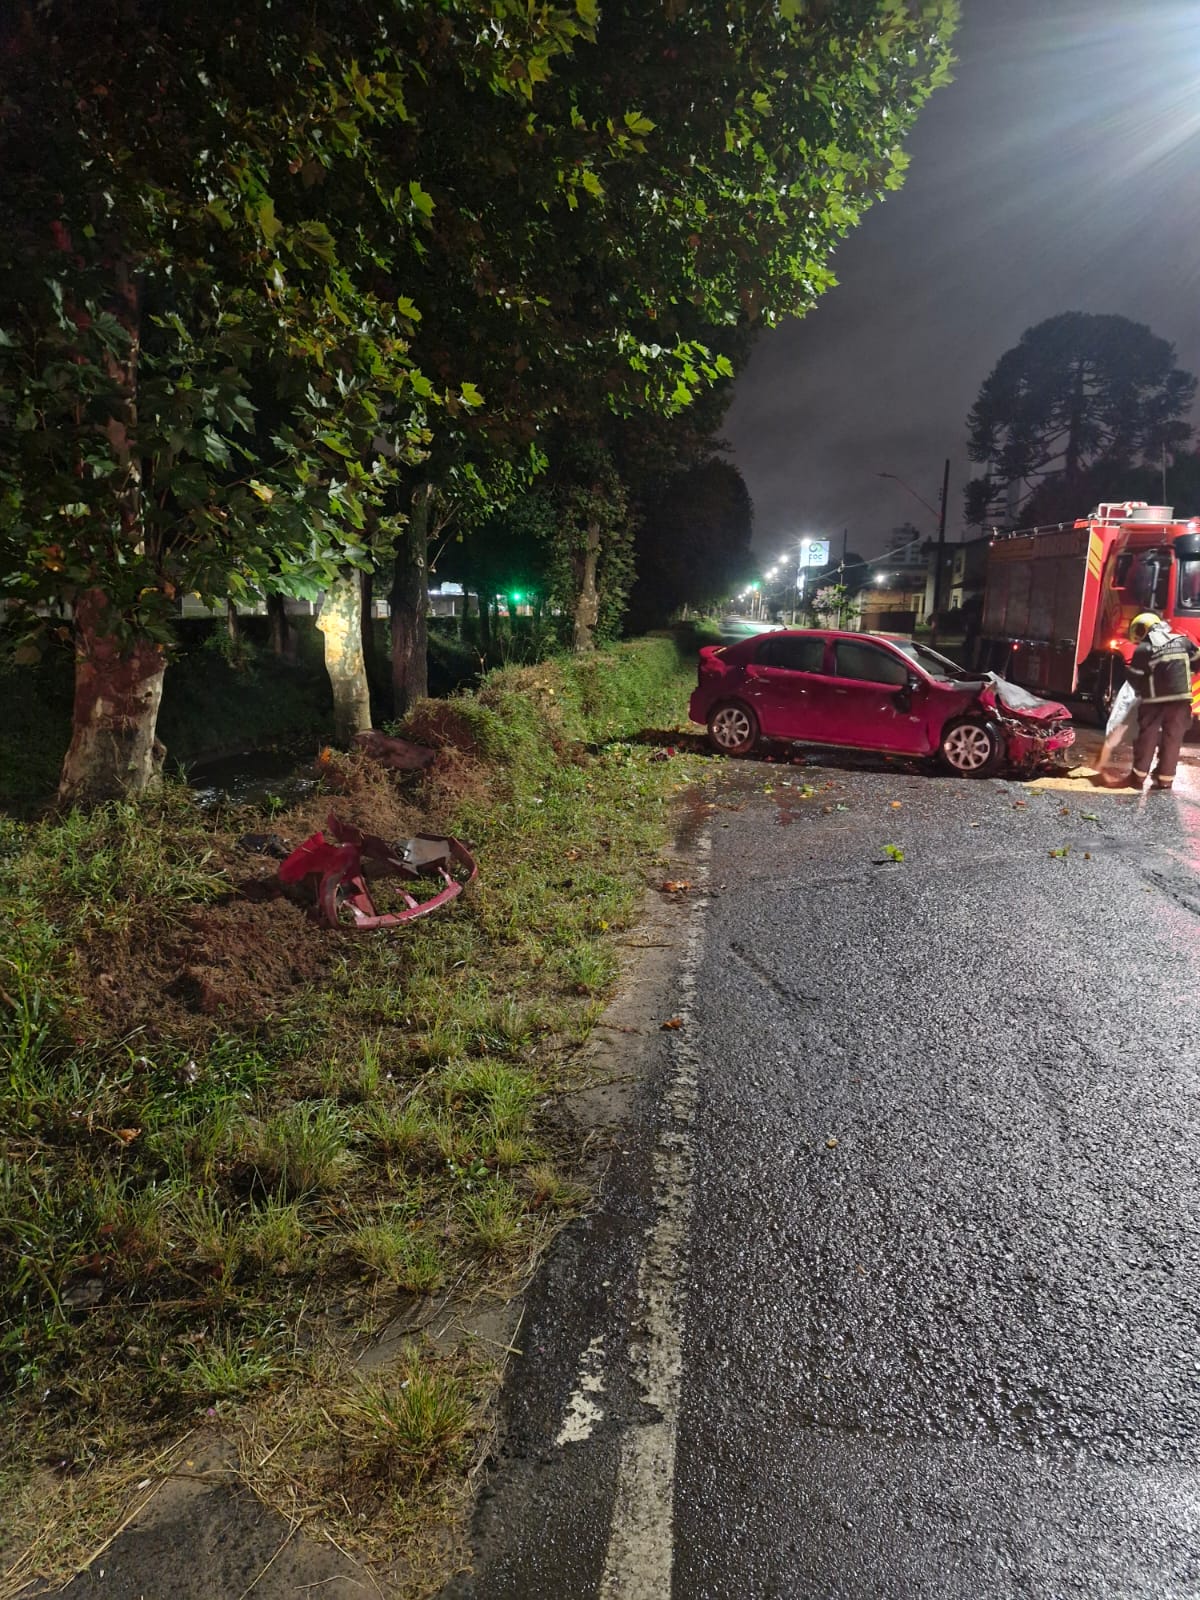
(872, 692)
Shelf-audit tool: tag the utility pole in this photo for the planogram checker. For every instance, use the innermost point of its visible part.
(941, 542)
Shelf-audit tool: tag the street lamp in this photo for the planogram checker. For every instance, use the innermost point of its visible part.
(909, 488)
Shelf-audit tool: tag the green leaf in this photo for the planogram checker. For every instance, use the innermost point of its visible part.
(421, 201)
(268, 223)
(337, 443)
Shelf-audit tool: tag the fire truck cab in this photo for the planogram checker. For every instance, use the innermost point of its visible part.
(1058, 601)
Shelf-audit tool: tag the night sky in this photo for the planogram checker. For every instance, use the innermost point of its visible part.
(1060, 171)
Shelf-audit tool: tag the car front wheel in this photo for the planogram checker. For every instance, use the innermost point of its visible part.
(733, 730)
(971, 749)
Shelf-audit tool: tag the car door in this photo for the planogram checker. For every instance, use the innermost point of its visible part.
(779, 682)
(873, 699)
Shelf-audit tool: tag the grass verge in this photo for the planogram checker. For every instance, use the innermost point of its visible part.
(237, 1147)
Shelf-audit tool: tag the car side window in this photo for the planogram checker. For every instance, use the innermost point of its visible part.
(792, 653)
(868, 663)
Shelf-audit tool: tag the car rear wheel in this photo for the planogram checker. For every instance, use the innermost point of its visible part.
(733, 730)
(971, 749)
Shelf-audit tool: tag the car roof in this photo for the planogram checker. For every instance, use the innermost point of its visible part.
(848, 633)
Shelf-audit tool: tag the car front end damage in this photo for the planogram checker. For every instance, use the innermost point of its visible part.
(1035, 731)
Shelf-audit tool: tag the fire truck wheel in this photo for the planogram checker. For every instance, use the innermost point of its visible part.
(971, 749)
(1106, 693)
(733, 729)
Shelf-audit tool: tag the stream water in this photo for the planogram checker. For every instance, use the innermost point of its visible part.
(252, 779)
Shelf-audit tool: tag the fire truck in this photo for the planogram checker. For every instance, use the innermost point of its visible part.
(1058, 601)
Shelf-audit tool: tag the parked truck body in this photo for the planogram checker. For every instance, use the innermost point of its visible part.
(1058, 601)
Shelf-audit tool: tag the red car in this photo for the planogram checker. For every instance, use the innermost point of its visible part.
(871, 692)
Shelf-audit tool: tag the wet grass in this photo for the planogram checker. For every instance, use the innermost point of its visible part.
(193, 1225)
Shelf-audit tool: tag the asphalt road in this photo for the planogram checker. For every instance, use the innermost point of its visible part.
(894, 1289)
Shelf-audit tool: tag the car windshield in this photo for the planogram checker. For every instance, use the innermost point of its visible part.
(929, 661)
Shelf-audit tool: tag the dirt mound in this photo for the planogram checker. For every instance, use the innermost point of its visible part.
(185, 974)
(233, 963)
(441, 724)
(244, 960)
(360, 791)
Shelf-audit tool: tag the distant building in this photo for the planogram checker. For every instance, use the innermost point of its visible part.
(894, 600)
(963, 569)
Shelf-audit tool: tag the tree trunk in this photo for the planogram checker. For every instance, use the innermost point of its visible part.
(341, 623)
(113, 751)
(409, 603)
(367, 584)
(485, 623)
(231, 622)
(584, 562)
(282, 640)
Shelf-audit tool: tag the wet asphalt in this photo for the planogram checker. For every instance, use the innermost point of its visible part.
(938, 1295)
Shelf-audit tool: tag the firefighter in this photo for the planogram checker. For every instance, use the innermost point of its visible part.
(1161, 675)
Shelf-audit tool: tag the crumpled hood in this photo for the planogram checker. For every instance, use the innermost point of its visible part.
(1014, 701)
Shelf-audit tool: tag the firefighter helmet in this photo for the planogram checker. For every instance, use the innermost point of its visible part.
(1141, 625)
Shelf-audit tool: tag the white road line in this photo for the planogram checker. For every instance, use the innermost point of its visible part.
(641, 1541)
(583, 1413)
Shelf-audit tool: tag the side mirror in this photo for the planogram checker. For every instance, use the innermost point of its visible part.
(905, 692)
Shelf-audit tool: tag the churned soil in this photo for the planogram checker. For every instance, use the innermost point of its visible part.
(186, 973)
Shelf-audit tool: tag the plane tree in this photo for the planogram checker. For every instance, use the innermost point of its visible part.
(206, 382)
(275, 288)
(683, 175)
(693, 541)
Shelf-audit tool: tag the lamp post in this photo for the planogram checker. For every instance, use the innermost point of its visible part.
(941, 536)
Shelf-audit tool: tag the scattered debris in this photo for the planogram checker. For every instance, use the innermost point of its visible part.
(342, 864)
(82, 1292)
(673, 1022)
(676, 885)
(265, 844)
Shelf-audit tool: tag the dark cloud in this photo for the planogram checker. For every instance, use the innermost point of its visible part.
(1059, 172)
